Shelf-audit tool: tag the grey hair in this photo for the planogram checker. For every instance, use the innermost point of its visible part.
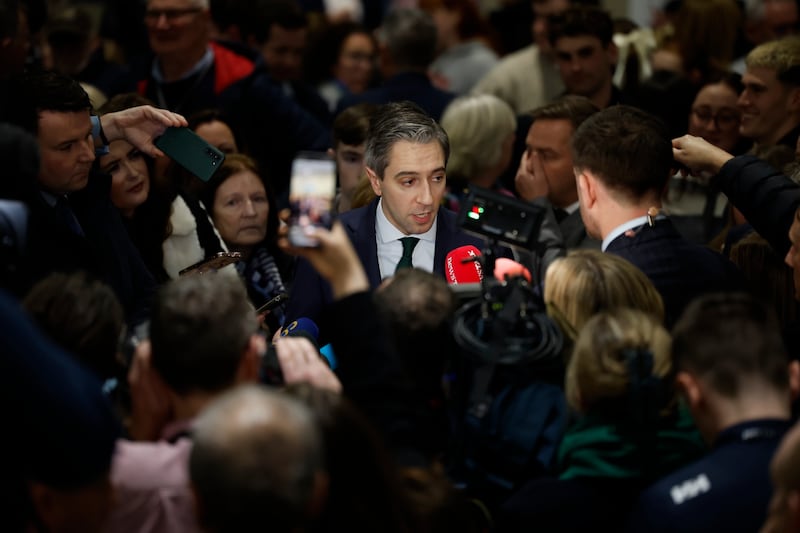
(256, 453)
(477, 127)
(400, 121)
(409, 34)
(200, 326)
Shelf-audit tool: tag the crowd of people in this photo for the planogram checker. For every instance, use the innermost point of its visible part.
(173, 362)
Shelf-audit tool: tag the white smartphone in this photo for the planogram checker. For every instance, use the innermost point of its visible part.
(311, 192)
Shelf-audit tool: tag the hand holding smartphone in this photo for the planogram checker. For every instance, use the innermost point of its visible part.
(190, 151)
(311, 192)
(217, 262)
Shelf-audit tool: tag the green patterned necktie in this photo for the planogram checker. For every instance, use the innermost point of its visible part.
(408, 249)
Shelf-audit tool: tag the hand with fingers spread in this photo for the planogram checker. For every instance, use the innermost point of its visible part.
(531, 181)
(150, 402)
(699, 155)
(301, 363)
(140, 125)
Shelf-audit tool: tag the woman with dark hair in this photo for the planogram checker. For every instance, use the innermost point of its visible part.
(169, 227)
(244, 212)
(216, 129)
(342, 61)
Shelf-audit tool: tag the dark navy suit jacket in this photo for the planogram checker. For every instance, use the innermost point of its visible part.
(413, 86)
(679, 269)
(311, 293)
(728, 490)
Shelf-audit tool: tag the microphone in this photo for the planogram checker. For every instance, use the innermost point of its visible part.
(461, 267)
(505, 267)
(305, 327)
(271, 373)
(302, 327)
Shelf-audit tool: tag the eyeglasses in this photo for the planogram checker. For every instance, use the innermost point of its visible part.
(725, 119)
(154, 15)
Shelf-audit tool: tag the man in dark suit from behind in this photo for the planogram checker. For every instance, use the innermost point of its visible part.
(735, 377)
(407, 46)
(405, 226)
(623, 158)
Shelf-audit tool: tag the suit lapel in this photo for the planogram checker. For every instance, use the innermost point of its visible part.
(362, 235)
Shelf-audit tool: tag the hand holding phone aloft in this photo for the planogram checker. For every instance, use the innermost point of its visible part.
(193, 153)
(311, 193)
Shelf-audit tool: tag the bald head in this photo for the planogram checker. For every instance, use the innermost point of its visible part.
(255, 459)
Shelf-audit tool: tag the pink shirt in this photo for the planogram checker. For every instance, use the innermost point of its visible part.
(151, 484)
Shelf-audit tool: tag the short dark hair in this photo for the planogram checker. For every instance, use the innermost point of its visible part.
(579, 21)
(122, 101)
(410, 36)
(264, 14)
(418, 308)
(576, 109)
(351, 126)
(628, 149)
(35, 91)
(199, 329)
(400, 121)
(213, 114)
(81, 315)
(728, 338)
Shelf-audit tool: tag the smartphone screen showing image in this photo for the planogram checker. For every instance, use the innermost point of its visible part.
(311, 193)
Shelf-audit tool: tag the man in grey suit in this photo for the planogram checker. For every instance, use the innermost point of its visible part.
(545, 170)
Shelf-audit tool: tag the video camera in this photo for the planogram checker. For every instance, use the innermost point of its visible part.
(506, 324)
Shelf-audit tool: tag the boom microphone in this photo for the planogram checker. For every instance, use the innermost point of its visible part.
(461, 266)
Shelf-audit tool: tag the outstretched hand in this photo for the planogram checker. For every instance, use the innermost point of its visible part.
(140, 125)
(699, 155)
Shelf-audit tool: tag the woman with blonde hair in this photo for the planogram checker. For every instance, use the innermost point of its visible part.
(481, 130)
(628, 431)
(586, 282)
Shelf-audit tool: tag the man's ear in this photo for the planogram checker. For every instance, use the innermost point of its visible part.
(794, 99)
(319, 494)
(587, 188)
(613, 53)
(374, 180)
(250, 363)
(690, 389)
(44, 503)
(794, 380)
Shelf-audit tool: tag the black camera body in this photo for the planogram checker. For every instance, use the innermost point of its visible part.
(500, 218)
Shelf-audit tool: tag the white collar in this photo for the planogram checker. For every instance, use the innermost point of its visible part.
(386, 231)
(637, 222)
